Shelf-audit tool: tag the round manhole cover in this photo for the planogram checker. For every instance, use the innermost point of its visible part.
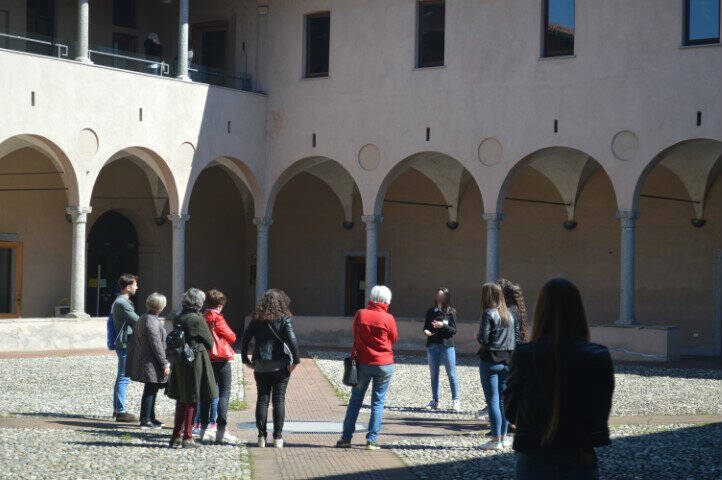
(304, 427)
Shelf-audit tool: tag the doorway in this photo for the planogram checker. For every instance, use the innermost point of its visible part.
(356, 281)
(11, 279)
(209, 49)
(112, 251)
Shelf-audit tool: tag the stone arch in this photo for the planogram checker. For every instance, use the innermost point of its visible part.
(242, 176)
(331, 172)
(568, 169)
(448, 174)
(52, 151)
(149, 161)
(697, 176)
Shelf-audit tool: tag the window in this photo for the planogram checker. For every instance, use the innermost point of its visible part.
(701, 22)
(11, 279)
(318, 26)
(124, 13)
(558, 28)
(430, 34)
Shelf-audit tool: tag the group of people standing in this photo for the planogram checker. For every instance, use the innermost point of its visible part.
(553, 385)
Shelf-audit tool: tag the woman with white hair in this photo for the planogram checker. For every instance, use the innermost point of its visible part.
(147, 362)
(374, 333)
(194, 382)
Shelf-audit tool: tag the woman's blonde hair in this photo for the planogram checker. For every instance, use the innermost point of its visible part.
(156, 302)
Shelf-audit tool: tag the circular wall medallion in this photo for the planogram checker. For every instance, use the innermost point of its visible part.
(185, 153)
(625, 145)
(369, 157)
(87, 143)
(490, 151)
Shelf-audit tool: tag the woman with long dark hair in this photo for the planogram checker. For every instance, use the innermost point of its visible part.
(275, 356)
(496, 336)
(515, 303)
(440, 328)
(559, 391)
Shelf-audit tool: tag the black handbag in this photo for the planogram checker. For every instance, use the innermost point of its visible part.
(350, 371)
(286, 348)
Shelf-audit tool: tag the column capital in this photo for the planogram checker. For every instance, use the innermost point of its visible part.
(262, 221)
(179, 219)
(78, 214)
(372, 219)
(262, 9)
(628, 217)
(494, 218)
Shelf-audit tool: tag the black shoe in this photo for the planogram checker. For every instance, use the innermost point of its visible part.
(157, 424)
(146, 425)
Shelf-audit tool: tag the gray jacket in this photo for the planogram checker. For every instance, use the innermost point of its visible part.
(146, 351)
(492, 334)
(123, 313)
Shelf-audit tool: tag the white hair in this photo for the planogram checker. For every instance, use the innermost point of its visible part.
(156, 302)
(381, 294)
(193, 299)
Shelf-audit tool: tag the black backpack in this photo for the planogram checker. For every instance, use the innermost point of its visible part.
(177, 349)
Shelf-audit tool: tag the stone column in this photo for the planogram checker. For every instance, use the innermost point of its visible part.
(627, 287)
(183, 40)
(83, 31)
(261, 37)
(79, 216)
(372, 247)
(178, 271)
(263, 224)
(493, 222)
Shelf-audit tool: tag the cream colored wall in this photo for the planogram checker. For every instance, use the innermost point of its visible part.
(38, 218)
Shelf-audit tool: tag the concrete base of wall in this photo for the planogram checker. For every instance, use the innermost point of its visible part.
(636, 343)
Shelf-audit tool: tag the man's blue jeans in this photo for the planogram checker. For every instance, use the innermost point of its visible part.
(121, 382)
(380, 377)
(437, 354)
(493, 382)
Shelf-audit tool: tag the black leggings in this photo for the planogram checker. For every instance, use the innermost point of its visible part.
(267, 382)
(224, 376)
(147, 402)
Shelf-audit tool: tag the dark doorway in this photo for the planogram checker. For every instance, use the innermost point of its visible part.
(209, 50)
(40, 25)
(356, 281)
(112, 247)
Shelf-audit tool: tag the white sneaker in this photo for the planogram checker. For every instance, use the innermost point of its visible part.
(224, 437)
(261, 442)
(492, 445)
(483, 414)
(456, 406)
(202, 435)
(508, 441)
(278, 442)
(432, 405)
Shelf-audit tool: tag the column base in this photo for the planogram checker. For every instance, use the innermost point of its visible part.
(78, 315)
(185, 78)
(85, 60)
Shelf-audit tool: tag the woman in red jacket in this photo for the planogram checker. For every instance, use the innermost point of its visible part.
(374, 333)
(221, 357)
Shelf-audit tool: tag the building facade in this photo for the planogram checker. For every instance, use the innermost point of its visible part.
(454, 141)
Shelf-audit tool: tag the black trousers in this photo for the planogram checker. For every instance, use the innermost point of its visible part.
(271, 386)
(147, 402)
(224, 376)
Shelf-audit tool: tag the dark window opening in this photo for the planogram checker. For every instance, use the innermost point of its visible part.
(318, 28)
(124, 13)
(558, 28)
(430, 34)
(701, 22)
(40, 25)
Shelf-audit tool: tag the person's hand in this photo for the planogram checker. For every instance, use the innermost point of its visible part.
(292, 367)
(437, 324)
(166, 371)
(428, 333)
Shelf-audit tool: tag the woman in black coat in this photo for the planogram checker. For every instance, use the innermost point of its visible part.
(559, 391)
(189, 384)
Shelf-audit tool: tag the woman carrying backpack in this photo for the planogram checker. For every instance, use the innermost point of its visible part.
(275, 356)
(191, 382)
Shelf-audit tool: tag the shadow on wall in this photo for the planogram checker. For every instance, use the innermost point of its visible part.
(690, 452)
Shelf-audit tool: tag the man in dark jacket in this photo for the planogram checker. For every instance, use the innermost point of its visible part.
(124, 318)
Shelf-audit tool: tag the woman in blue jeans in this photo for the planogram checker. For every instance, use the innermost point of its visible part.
(374, 333)
(440, 328)
(497, 338)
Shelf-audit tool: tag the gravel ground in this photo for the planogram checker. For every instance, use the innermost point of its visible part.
(76, 386)
(637, 452)
(33, 454)
(640, 390)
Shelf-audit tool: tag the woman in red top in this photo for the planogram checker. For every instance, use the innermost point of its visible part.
(374, 333)
(221, 357)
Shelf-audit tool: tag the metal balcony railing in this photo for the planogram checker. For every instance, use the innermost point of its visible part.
(110, 57)
(33, 44)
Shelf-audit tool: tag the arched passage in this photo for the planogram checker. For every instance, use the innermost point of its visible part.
(315, 239)
(137, 183)
(679, 243)
(37, 184)
(559, 209)
(431, 234)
